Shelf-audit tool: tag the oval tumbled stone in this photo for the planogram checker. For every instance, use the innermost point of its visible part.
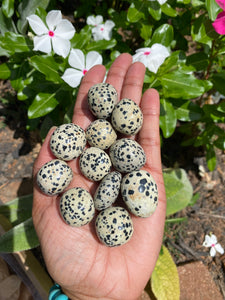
(68, 141)
(102, 98)
(54, 177)
(107, 191)
(94, 163)
(127, 117)
(114, 226)
(127, 155)
(77, 207)
(139, 192)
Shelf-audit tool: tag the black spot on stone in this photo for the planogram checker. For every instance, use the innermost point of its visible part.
(143, 181)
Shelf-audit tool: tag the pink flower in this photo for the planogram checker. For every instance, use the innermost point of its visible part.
(219, 23)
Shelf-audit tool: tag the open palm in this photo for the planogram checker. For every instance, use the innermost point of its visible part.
(85, 268)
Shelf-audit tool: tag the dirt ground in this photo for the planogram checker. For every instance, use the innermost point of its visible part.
(19, 148)
(205, 216)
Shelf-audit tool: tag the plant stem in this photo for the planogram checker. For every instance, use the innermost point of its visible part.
(210, 61)
(153, 82)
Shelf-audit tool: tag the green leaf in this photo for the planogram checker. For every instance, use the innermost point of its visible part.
(168, 118)
(211, 111)
(179, 85)
(184, 1)
(199, 61)
(194, 199)
(221, 107)
(4, 71)
(186, 111)
(168, 10)
(218, 80)
(17, 210)
(82, 39)
(146, 31)
(205, 136)
(47, 66)
(220, 142)
(165, 279)
(15, 43)
(210, 157)
(19, 238)
(176, 220)
(163, 35)
(202, 31)
(134, 15)
(213, 9)
(101, 45)
(42, 105)
(179, 190)
(27, 8)
(8, 8)
(6, 24)
(197, 3)
(19, 78)
(154, 10)
(175, 61)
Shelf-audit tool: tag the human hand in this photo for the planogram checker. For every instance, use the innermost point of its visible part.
(76, 260)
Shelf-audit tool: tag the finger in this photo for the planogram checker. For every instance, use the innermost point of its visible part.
(82, 115)
(133, 82)
(118, 71)
(149, 139)
(149, 135)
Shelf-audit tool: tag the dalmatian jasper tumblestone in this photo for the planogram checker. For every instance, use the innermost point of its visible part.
(94, 163)
(68, 141)
(101, 99)
(114, 226)
(54, 177)
(140, 193)
(101, 134)
(77, 207)
(107, 191)
(127, 117)
(127, 155)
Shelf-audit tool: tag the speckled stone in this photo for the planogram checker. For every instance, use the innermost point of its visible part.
(114, 226)
(77, 207)
(101, 134)
(140, 193)
(127, 155)
(107, 191)
(127, 117)
(54, 177)
(68, 141)
(94, 163)
(101, 99)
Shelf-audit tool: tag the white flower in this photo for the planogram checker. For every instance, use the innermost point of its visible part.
(94, 21)
(161, 2)
(80, 66)
(152, 57)
(55, 35)
(211, 241)
(103, 31)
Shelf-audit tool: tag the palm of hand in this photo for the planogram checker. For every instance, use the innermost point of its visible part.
(75, 258)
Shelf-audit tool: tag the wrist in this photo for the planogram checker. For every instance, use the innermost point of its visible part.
(57, 293)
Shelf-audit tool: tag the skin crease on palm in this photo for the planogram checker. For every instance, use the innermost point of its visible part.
(76, 260)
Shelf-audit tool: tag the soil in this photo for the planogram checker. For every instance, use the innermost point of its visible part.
(206, 215)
